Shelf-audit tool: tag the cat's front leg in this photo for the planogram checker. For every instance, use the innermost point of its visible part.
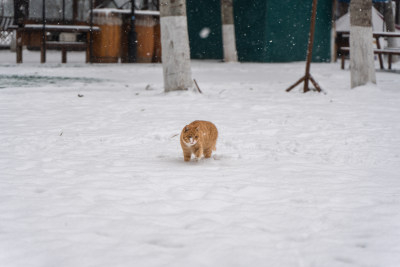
(199, 152)
(187, 155)
(207, 153)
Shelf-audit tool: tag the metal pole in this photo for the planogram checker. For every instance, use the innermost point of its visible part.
(91, 33)
(74, 11)
(132, 39)
(145, 5)
(43, 45)
(63, 11)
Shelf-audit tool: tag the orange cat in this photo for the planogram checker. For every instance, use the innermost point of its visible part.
(198, 138)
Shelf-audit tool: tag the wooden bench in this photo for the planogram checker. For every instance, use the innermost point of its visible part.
(390, 52)
(5, 32)
(387, 51)
(26, 29)
(6, 22)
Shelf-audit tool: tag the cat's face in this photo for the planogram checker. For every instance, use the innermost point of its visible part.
(190, 135)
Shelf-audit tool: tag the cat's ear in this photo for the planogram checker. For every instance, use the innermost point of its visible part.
(197, 129)
(186, 128)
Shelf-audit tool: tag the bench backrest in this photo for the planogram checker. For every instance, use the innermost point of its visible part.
(6, 22)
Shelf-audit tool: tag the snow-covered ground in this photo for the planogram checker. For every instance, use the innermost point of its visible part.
(92, 173)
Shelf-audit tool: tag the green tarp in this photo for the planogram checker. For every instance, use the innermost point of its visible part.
(266, 31)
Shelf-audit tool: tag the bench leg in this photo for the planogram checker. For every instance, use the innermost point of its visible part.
(19, 53)
(390, 61)
(381, 62)
(19, 47)
(343, 58)
(89, 48)
(43, 48)
(63, 55)
(42, 53)
(378, 45)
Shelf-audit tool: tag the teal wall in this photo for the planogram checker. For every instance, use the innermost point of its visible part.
(266, 30)
(251, 31)
(288, 28)
(203, 14)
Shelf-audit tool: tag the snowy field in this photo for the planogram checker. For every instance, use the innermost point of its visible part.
(92, 173)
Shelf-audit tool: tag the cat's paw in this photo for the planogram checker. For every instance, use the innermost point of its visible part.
(217, 157)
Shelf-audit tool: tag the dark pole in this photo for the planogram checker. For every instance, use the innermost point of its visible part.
(310, 44)
(43, 46)
(21, 12)
(307, 77)
(145, 5)
(74, 11)
(63, 11)
(132, 39)
(91, 33)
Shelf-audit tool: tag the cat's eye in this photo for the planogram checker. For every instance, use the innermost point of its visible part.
(196, 137)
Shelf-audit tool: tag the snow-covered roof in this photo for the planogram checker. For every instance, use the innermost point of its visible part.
(378, 23)
(127, 11)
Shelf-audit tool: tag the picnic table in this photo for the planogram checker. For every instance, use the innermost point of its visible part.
(24, 31)
(390, 52)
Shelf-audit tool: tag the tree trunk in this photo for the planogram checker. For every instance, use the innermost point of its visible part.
(175, 46)
(361, 49)
(389, 20)
(228, 31)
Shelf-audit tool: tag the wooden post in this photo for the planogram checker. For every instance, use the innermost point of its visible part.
(307, 77)
(310, 45)
(63, 55)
